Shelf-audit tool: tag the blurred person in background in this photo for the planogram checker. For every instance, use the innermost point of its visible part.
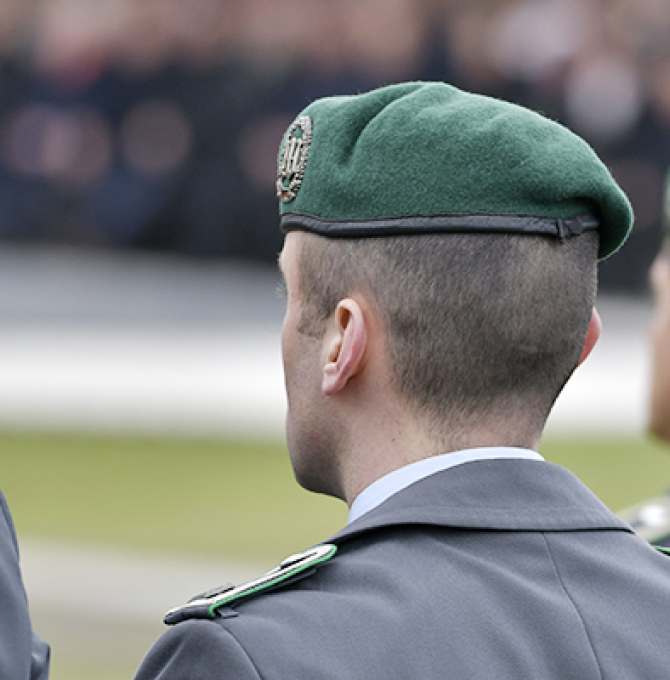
(440, 260)
(659, 277)
(121, 121)
(23, 655)
(651, 518)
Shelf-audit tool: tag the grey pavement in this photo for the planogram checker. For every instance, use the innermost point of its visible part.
(93, 340)
(110, 342)
(99, 606)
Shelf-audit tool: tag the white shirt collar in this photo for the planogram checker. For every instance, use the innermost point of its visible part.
(396, 481)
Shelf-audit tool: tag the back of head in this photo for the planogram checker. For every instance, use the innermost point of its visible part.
(478, 327)
(473, 225)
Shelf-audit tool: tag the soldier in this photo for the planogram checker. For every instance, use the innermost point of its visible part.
(440, 260)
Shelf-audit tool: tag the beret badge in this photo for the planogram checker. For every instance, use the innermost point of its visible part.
(293, 159)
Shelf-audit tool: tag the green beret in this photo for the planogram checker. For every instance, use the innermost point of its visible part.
(428, 157)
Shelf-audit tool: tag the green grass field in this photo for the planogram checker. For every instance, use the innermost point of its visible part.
(232, 497)
(202, 496)
(215, 497)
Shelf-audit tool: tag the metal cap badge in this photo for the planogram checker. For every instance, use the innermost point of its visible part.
(293, 159)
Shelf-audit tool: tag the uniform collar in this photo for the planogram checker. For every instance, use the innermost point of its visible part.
(396, 481)
(496, 495)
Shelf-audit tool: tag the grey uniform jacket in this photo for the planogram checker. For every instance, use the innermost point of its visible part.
(503, 569)
(23, 655)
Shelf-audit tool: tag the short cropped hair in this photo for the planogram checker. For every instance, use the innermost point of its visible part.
(476, 323)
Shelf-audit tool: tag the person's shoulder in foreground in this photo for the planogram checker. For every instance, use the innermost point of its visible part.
(440, 261)
(23, 655)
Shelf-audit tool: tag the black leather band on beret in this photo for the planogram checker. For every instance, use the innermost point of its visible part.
(406, 226)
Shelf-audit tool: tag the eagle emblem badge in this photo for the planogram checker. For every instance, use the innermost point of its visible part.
(293, 159)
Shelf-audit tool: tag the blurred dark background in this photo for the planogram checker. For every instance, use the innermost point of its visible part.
(154, 124)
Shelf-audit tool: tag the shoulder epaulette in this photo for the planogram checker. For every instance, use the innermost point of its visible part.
(206, 606)
(650, 519)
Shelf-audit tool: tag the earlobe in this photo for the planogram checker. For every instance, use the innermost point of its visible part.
(592, 335)
(346, 347)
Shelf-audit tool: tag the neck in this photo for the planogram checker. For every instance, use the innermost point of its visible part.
(381, 446)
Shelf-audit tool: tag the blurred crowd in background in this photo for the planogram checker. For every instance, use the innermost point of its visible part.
(154, 124)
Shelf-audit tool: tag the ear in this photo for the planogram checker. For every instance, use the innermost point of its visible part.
(346, 344)
(592, 335)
